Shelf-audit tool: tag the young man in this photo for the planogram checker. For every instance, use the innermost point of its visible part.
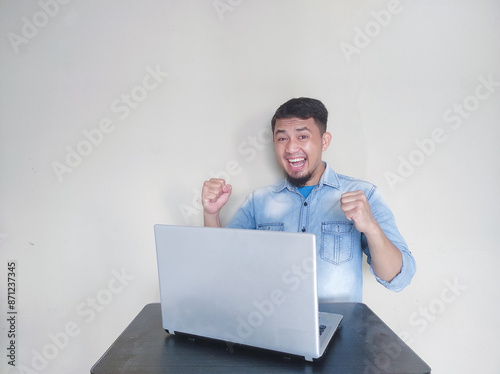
(348, 216)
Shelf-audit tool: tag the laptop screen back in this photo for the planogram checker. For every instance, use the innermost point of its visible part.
(250, 287)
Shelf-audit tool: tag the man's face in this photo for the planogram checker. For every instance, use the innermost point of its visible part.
(298, 146)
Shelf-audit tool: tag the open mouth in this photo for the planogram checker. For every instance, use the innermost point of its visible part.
(297, 163)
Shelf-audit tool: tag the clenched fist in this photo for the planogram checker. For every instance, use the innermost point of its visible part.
(214, 196)
(357, 209)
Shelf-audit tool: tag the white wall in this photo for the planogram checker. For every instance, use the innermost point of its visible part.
(219, 77)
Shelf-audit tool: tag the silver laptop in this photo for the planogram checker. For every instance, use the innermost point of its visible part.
(250, 287)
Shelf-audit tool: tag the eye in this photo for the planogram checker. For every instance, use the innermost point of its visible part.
(303, 137)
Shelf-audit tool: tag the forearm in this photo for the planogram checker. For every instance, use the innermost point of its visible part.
(386, 258)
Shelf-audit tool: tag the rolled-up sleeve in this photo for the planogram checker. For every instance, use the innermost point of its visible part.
(387, 222)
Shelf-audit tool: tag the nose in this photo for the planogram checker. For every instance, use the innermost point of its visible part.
(291, 146)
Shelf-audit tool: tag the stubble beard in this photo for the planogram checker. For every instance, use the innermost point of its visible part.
(299, 181)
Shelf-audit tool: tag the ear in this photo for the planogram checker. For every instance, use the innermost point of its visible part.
(325, 140)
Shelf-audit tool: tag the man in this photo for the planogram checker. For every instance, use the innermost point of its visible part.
(348, 216)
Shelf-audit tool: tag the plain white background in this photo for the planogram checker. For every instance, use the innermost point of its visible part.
(113, 113)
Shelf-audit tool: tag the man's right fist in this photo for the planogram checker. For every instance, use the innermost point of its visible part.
(214, 195)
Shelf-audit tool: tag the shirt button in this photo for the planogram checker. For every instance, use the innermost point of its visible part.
(305, 204)
(303, 229)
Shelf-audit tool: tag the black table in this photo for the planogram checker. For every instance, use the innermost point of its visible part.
(363, 344)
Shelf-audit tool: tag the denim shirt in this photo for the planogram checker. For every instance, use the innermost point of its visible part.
(339, 245)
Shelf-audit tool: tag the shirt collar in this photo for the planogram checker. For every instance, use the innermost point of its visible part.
(329, 178)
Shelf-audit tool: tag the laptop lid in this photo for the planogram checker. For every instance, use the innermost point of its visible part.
(250, 287)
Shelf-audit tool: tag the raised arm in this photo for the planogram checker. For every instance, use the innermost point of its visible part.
(387, 259)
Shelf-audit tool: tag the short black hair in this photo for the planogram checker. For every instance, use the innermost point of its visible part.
(303, 108)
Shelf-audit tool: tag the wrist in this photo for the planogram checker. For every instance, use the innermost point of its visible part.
(211, 219)
(373, 230)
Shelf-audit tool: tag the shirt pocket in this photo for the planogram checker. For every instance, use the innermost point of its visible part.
(271, 226)
(337, 242)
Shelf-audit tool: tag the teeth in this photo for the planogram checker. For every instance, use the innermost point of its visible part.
(296, 160)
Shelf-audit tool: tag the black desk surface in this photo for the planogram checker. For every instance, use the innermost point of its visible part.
(364, 344)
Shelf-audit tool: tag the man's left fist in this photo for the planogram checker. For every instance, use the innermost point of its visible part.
(357, 209)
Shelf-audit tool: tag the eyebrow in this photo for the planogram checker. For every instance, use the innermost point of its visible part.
(305, 128)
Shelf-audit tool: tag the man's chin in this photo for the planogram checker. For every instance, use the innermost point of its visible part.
(298, 181)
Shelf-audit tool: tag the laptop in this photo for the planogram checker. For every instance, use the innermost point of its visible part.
(245, 287)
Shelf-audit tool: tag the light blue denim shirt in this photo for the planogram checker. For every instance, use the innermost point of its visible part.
(339, 245)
